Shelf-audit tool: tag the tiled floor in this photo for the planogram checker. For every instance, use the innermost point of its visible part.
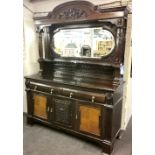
(41, 140)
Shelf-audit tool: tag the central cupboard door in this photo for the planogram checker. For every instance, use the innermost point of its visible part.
(63, 111)
(89, 119)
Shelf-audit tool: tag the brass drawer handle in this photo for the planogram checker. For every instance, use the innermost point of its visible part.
(71, 95)
(35, 88)
(51, 110)
(52, 91)
(76, 116)
(48, 109)
(93, 98)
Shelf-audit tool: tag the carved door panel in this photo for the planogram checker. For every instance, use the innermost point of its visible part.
(41, 107)
(63, 112)
(89, 119)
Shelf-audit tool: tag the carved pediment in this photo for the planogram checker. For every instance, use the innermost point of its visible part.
(71, 13)
(74, 10)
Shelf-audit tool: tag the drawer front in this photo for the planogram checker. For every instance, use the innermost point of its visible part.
(90, 97)
(71, 93)
(34, 86)
(83, 95)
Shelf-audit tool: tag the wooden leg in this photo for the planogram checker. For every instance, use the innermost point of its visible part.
(107, 149)
(30, 120)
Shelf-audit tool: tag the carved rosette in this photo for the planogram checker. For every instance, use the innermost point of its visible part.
(71, 13)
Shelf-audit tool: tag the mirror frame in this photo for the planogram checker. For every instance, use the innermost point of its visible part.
(105, 26)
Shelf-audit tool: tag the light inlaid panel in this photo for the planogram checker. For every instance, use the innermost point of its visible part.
(40, 103)
(90, 119)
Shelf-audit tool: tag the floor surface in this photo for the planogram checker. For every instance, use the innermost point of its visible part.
(41, 140)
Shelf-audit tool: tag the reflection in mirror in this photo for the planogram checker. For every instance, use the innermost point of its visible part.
(84, 42)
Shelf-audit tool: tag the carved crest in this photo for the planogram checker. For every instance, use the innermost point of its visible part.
(71, 13)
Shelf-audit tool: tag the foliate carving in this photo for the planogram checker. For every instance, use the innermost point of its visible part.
(113, 58)
(71, 13)
(27, 82)
(120, 22)
(62, 111)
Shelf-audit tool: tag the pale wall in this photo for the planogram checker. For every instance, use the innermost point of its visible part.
(30, 53)
(127, 96)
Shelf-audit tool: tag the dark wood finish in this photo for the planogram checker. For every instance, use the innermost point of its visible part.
(80, 96)
(63, 112)
(75, 10)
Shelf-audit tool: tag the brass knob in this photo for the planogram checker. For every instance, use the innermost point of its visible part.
(93, 98)
(52, 91)
(51, 110)
(35, 87)
(71, 95)
(48, 109)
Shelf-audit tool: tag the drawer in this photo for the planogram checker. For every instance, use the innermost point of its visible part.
(89, 96)
(34, 86)
(71, 93)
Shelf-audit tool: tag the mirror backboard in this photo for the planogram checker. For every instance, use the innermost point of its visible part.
(83, 42)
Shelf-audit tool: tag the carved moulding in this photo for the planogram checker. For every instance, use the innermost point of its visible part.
(74, 10)
(71, 13)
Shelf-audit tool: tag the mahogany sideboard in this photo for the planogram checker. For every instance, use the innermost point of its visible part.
(79, 86)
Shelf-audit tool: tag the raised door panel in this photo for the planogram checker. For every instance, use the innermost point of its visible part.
(90, 119)
(63, 112)
(40, 106)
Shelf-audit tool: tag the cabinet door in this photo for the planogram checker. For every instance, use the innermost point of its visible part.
(63, 111)
(89, 119)
(40, 106)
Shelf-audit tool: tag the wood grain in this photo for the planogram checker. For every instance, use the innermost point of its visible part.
(89, 119)
(40, 103)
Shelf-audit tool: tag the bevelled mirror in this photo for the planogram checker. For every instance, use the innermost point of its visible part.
(83, 42)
